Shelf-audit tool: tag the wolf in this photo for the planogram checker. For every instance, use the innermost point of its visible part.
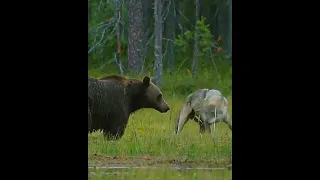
(206, 107)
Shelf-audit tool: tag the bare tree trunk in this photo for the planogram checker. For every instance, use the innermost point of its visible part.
(170, 34)
(147, 15)
(230, 27)
(158, 66)
(222, 19)
(135, 35)
(118, 31)
(196, 42)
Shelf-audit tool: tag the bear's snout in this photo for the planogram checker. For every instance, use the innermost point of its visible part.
(167, 109)
(163, 108)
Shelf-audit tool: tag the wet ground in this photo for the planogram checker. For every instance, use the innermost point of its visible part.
(107, 167)
(96, 160)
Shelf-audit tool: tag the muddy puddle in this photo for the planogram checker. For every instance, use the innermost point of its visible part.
(158, 172)
(139, 168)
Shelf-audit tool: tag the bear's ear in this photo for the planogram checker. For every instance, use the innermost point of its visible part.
(146, 80)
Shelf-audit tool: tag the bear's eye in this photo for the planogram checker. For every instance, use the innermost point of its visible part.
(159, 97)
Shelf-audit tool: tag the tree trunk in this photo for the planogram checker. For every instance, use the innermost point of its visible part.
(230, 28)
(147, 26)
(158, 66)
(222, 20)
(196, 42)
(170, 34)
(118, 31)
(135, 35)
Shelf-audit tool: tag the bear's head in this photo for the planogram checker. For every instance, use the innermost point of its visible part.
(147, 95)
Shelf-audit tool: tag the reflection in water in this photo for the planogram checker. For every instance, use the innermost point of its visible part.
(160, 172)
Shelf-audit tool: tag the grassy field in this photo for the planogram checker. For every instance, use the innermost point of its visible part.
(149, 139)
(150, 133)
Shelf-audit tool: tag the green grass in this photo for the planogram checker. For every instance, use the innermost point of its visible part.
(150, 133)
(149, 139)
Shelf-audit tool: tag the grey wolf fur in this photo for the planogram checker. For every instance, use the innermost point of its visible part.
(206, 107)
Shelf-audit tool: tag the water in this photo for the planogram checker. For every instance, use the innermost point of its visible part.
(167, 172)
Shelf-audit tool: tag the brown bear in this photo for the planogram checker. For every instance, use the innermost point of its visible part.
(113, 98)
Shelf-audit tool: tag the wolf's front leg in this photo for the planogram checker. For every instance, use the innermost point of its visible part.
(213, 130)
(202, 128)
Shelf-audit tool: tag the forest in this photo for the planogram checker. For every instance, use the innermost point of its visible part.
(184, 45)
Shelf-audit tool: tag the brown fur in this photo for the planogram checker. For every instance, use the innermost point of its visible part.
(114, 78)
(114, 98)
(120, 79)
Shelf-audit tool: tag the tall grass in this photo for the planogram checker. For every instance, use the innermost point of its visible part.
(150, 133)
(180, 82)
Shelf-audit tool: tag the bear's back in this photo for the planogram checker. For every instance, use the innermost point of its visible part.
(107, 95)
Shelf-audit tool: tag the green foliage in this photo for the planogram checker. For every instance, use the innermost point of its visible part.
(150, 133)
(214, 70)
(181, 83)
(207, 44)
(208, 59)
(102, 31)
